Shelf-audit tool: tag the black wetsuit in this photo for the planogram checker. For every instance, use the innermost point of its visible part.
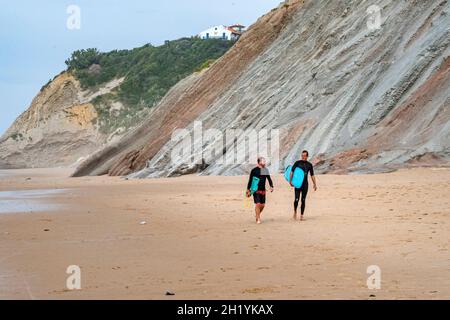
(307, 167)
(259, 196)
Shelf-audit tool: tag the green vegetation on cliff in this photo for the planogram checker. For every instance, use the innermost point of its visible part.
(149, 72)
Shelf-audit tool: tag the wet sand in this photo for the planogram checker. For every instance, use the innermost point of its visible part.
(200, 240)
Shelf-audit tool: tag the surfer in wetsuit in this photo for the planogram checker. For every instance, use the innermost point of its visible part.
(307, 167)
(259, 196)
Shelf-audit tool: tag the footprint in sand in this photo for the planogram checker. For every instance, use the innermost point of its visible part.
(259, 290)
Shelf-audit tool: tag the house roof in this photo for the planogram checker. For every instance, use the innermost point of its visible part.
(234, 31)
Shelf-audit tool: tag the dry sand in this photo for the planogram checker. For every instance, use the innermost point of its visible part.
(200, 240)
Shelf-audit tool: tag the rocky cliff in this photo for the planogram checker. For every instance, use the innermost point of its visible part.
(358, 98)
(57, 129)
(99, 98)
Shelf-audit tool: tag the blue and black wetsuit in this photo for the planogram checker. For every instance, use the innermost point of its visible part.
(307, 167)
(259, 196)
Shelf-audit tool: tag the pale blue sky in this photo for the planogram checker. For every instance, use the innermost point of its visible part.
(35, 41)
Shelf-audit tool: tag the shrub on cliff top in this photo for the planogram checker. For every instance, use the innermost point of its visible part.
(149, 71)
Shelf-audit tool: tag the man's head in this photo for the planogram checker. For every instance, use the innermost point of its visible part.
(261, 162)
(305, 155)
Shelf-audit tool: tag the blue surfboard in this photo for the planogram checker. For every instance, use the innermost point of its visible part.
(297, 179)
(254, 186)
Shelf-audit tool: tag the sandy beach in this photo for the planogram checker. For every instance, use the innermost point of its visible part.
(200, 241)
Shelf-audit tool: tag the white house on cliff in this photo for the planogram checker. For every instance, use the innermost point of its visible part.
(223, 32)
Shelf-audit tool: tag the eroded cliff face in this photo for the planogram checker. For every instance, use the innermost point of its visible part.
(100, 97)
(359, 99)
(58, 129)
(188, 99)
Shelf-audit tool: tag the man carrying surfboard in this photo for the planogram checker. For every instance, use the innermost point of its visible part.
(257, 187)
(306, 167)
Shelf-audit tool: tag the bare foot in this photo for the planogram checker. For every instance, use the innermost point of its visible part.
(295, 216)
(302, 218)
(258, 221)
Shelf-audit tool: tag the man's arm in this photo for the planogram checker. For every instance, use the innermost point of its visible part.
(249, 184)
(313, 178)
(270, 182)
(314, 182)
(295, 166)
